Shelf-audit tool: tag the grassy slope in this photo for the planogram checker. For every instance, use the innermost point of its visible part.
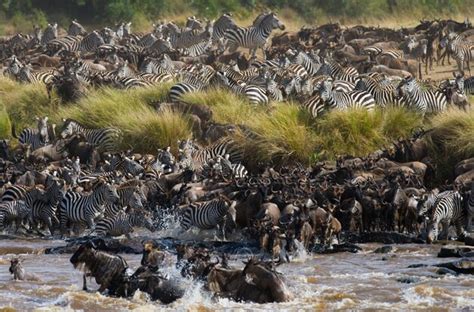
(284, 132)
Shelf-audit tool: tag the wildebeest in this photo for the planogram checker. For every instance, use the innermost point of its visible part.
(108, 270)
(18, 271)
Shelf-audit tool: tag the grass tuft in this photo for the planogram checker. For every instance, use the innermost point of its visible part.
(143, 129)
(451, 139)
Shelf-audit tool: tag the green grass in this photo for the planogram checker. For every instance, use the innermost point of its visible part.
(283, 131)
(358, 132)
(24, 102)
(451, 139)
(143, 129)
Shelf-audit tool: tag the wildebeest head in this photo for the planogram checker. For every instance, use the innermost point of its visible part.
(86, 252)
(15, 265)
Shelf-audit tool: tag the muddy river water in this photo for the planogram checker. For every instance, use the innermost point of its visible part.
(343, 281)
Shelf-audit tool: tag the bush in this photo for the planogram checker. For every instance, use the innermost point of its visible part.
(143, 129)
(24, 102)
(359, 132)
(451, 139)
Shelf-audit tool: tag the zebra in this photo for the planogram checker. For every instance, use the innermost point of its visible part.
(14, 192)
(314, 105)
(13, 211)
(198, 157)
(76, 29)
(153, 66)
(336, 71)
(342, 101)
(43, 210)
(90, 43)
(255, 95)
(222, 25)
(27, 75)
(448, 209)
(188, 38)
(306, 61)
(50, 33)
(192, 83)
(197, 49)
(76, 207)
(123, 224)
(105, 138)
(237, 170)
(469, 85)
(384, 94)
(273, 91)
(130, 196)
(253, 37)
(423, 101)
(470, 207)
(208, 215)
(461, 50)
(155, 79)
(14, 67)
(36, 138)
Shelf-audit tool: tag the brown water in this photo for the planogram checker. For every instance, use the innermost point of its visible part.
(341, 281)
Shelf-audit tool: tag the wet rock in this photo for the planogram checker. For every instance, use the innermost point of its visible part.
(135, 245)
(345, 247)
(463, 266)
(418, 265)
(456, 252)
(384, 238)
(446, 271)
(469, 240)
(408, 280)
(384, 249)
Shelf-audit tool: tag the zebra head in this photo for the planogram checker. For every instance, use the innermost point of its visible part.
(68, 129)
(222, 78)
(110, 192)
(407, 86)
(325, 89)
(76, 29)
(135, 201)
(271, 21)
(15, 65)
(43, 129)
(459, 81)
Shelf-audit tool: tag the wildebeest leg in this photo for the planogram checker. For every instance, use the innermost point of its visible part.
(84, 282)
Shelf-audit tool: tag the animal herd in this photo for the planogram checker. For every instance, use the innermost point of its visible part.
(70, 180)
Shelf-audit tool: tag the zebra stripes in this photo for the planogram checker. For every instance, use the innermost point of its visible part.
(461, 50)
(76, 207)
(448, 209)
(206, 215)
(130, 197)
(469, 85)
(342, 101)
(13, 211)
(253, 37)
(255, 95)
(384, 94)
(196, 158)
(123, 224)
(43, 210)
(470, 207)
(104, 139)
(38, 137)
(26, 74)
(423, 101)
